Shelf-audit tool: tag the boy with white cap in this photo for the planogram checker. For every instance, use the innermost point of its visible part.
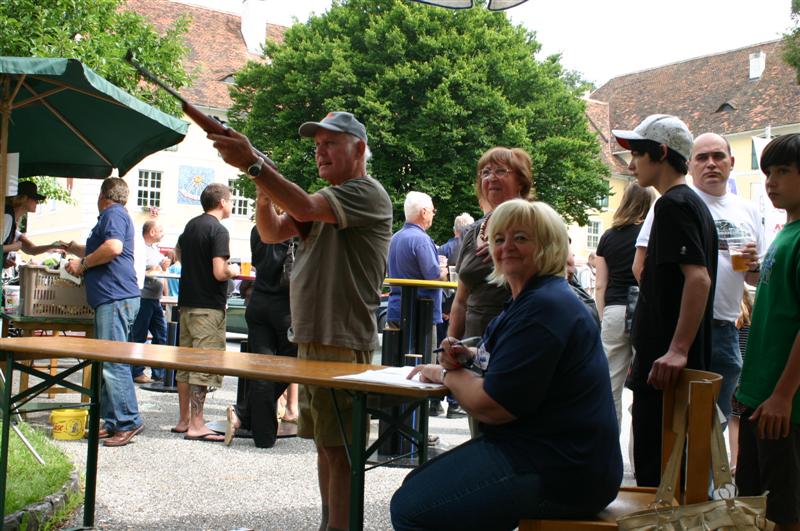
(673, 319)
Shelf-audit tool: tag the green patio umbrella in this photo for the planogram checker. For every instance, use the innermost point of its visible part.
(65, 120)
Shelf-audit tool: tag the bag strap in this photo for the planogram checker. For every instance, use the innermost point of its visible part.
(719, 461)
(719, 456)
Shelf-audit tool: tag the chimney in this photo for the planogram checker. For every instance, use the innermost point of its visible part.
(758, 61)
(254, 24)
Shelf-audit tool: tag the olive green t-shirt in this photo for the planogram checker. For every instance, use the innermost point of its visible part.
(775, 323)
(339, 269)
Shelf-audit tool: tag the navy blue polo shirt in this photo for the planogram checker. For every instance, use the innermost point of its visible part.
(115, 280)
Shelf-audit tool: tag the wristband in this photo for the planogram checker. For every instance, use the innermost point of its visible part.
(757, 269)
(84, 267)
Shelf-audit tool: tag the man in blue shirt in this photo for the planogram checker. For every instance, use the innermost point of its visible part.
(412, 254)
(106, 264)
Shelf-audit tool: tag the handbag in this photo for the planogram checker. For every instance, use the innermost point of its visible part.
(730, 512)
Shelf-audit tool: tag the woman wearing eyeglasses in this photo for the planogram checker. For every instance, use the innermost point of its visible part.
(503, 174)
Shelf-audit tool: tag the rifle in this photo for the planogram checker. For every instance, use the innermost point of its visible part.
(209, 124)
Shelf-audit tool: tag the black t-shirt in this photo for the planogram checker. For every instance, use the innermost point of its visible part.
(269, 259)
(203, 238)
(618, 247)
(683, 232)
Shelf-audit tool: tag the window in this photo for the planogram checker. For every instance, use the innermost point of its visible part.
(149, 193)
(603, 202)
(242, 206)
(593, 234)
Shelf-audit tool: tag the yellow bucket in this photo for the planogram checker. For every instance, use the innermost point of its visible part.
(68, 424)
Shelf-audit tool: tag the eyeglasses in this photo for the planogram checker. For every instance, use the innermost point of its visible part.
(486, 173)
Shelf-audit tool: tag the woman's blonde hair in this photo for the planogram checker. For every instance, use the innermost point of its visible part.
(515, 158)
(545, 227)
(746, 310)
(635, 203)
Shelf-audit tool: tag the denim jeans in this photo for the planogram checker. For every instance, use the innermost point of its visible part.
(149, 318)
(473, 486)
(726, 359)
(118, 406)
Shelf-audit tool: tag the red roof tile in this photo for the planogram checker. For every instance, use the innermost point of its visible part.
(696, 90)
(597, 114)
(216, 46)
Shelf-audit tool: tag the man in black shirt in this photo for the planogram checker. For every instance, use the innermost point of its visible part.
(202, 297)
(673, 320)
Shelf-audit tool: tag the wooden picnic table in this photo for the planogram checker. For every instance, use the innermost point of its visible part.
(94, 352)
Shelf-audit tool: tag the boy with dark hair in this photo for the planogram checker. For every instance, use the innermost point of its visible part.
(673, 319)
(769, 432)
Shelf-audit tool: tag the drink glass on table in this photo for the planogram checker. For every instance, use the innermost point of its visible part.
(246, 268)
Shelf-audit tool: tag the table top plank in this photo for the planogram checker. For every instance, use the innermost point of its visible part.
(241, 364)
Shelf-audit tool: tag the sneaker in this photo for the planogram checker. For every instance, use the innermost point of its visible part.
(435, 409)
(142, 379)
(455, 412)
(433, 440)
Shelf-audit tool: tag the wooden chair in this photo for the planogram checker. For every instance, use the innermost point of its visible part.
(694, 396)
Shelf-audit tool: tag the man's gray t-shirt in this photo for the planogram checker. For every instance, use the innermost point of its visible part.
(339, 269)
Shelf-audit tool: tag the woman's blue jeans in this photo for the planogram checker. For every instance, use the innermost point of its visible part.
(473, 486)
(118, 405)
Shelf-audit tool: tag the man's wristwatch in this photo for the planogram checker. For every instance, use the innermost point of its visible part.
(254, 170)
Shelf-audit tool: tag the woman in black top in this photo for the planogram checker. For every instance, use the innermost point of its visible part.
(268, 319)
(613, 280)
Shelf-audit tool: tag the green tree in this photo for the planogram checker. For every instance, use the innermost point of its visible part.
(435, 88)
(791, 40)
(99, 33)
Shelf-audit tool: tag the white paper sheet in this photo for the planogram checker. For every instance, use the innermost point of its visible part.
(390, 375)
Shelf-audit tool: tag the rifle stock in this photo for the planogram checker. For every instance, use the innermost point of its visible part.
(207, 123)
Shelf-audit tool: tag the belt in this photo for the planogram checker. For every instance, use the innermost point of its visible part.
(721, 322)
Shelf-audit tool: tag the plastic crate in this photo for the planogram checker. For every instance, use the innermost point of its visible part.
(45, 294)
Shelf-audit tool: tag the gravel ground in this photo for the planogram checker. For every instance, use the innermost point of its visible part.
(162, 482)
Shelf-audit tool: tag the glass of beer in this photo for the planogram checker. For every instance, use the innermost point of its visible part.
(739, 261)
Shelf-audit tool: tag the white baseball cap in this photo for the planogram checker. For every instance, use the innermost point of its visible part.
(660, 128)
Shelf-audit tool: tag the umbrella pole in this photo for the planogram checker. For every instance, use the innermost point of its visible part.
(5, 112)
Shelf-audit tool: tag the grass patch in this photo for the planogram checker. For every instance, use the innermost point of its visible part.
(28, 481)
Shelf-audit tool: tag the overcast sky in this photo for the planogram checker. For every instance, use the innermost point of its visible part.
(605, 39)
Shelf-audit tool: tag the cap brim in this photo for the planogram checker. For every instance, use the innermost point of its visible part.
(624, 136)
(310, 128)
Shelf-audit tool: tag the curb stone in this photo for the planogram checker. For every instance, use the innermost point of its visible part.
(39, 513)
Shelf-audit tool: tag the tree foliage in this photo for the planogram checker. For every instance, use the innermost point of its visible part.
(791, 40)
(99, 33)
(435, 88)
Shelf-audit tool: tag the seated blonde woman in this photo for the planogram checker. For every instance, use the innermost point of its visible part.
(538, 384)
